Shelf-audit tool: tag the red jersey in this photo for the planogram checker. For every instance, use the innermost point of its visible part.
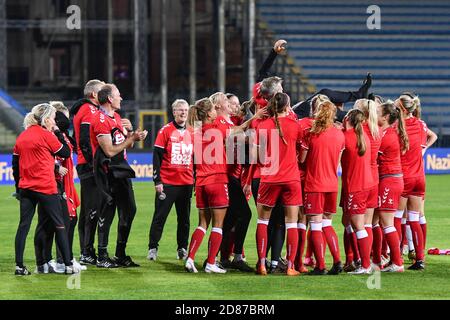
(253, 126)
(36, 147)
(412, 160)
(305, 126)
(389, 154)
(322, 160)
(177, 167)
(424, 133)
(374, 147)
(356, 169)
(83, 116)
(233, 168)
(281, 164)
(104, 125)
(209, 155)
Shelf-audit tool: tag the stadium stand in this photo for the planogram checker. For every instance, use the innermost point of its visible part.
(332, 44)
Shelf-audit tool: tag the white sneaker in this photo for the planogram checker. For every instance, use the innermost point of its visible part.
(393, 268)
(405, 250)
(362, 270)
(190, 266)
(77, 265)
(152, 254)
(213, 268)
(60, 268)
(384, 261)
(182, 254)
(42, 269)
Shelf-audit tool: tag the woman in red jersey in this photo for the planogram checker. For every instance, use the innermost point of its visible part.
(357, 182)
(322, 150)
(371, 128)
(33, 167)
(277, 137)
(413, 174)
(305, 126)
(211, 187)
(394, 141)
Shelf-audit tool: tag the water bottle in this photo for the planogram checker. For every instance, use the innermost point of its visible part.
(162, 196)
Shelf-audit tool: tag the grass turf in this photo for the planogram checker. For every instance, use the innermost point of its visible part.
(166, 279)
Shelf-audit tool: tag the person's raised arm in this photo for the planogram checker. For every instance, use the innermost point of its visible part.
(279, 47)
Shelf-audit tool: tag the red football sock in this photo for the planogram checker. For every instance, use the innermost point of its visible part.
(309, 249)
(196, 241)
(404, 238)
(398, 223)
(384, 246)
(391, 236)
(364, 247)
(417, 234)
(291, 243)
(347, 245)
(355, 248)
(331, 239)
(368, 228)
(215, 239)
(301, 228)
(423, 225)
(317, 239)
(377, 243)
(261, 239)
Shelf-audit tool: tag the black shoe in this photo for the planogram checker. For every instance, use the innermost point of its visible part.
(125, 262)
(279, 269)
(226, 264)
(106, 262)
(22, 271)
(364, 90)
(418, 265)
(88, 260)
(241, 265)
(317, 272)
(336, 269)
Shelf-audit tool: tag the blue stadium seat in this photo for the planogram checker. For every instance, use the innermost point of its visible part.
(331, 42)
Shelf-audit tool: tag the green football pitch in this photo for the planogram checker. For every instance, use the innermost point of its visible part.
(166, 279)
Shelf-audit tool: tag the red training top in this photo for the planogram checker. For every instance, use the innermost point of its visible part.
(83, 116)
(322, 160)
(356, 169)
(177, 167)
(412, 160)
(281, 164)
(389, 154)
(374, 147)
(36, 147)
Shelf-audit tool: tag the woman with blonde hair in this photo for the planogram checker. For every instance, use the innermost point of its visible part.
(322, 148)
(33, 168)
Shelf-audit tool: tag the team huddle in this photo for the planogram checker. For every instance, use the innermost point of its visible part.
(286, 156)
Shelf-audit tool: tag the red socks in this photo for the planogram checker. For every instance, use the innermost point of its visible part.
(332, 239)
(347, 245)
(261, 240)
(215, 239)
(196, 241)
(301, 228)
(309, 249)
(317, 240)
(398, 223)
(291, 243)
(377, 244)
(391, 236)
(423, 225)
(364, 247)
(413, 218)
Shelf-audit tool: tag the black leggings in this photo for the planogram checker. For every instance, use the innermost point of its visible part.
(88, 214)
(123, 199)
(52, 210)
(276, 230)
(181, 196)
(238, 216)
(45, 234)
